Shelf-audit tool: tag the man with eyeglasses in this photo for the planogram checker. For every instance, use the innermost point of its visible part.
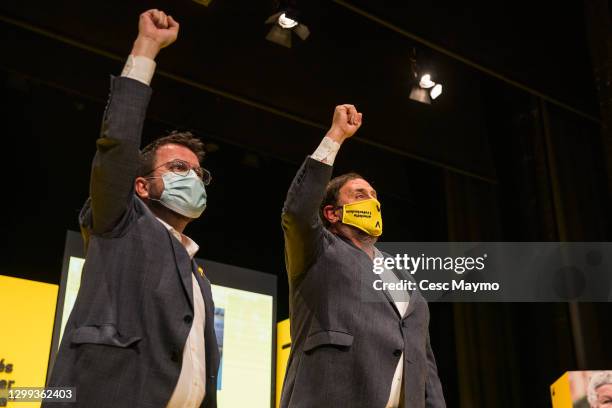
(141, 333)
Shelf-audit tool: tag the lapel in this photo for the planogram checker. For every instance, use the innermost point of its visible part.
(402, 275)
(181, 257)
(414, 298)
(206, 290)
(183, 265)
(210, 338)
(391, 301)
(371, 276)
(383, 294)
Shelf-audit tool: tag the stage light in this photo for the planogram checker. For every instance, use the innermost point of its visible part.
(420, 95)
(285, 23)
(426, 81)
(424, 89)
(436, 91)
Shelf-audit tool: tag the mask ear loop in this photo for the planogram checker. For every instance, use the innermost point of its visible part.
(151, 198)
(149, 178)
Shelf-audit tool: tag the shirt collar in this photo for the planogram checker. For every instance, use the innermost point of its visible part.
(187, 242)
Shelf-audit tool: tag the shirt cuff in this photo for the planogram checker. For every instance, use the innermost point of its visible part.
(326, 152)
(139, 68)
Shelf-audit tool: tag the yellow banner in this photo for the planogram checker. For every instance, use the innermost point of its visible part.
(27, 327)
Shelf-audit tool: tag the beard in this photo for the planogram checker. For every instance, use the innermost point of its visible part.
(363, 236)
(349, 231)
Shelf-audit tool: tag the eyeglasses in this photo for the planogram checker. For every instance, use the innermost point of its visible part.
(182, 168)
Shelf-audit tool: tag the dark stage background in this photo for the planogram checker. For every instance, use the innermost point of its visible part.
(513, 150)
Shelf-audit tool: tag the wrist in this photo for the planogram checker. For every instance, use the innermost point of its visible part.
(335, 134)
(145, 47)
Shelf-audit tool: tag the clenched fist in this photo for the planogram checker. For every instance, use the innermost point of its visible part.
(345, 123)
(156, 30)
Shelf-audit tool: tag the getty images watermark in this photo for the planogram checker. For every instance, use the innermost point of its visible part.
(410, 264)
(492, 271)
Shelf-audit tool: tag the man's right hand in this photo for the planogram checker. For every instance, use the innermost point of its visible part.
(156, 30)
(345, 123)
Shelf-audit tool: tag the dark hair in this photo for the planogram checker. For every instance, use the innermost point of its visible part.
(187, 139)
(333, 190)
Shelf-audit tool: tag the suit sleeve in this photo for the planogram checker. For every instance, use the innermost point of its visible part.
(434, 397)
(117, 160)
(302, 227)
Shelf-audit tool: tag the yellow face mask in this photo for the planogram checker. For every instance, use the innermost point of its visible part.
(364, 215)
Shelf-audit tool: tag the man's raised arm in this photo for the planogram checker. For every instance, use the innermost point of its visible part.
(302, 226)
(117, 160)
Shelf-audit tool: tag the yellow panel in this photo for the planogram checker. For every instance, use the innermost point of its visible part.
(27, 327)
(283, 347)
(560, 392)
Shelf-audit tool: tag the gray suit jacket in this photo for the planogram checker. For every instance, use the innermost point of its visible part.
(347, 338)
(123, 343)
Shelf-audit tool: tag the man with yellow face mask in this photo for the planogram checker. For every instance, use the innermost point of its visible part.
(352, 346)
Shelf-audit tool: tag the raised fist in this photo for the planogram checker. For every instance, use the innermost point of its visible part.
(156, 30)
(345, 123)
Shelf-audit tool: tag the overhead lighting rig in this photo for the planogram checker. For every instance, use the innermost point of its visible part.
(423, 89)
(285, 22)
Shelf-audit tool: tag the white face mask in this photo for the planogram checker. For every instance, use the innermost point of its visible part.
(185, 195)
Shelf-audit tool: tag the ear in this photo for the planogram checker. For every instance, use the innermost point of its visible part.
(141, 187)
(329, 212)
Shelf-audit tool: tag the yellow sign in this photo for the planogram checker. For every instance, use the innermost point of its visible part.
(26, 334)
(560, 392)
(283, 347)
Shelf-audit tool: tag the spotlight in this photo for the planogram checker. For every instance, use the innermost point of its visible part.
(285, 22)
(436, 91)
(420, 87)
(426, 81)
(420, 95)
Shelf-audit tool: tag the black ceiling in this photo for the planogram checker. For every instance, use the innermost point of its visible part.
(224, 78)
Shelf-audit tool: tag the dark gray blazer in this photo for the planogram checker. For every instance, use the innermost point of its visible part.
(346, 337)
(123, 343)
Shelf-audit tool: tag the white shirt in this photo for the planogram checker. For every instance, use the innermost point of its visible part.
(326, 153)
(401, 301)
(190, 388)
